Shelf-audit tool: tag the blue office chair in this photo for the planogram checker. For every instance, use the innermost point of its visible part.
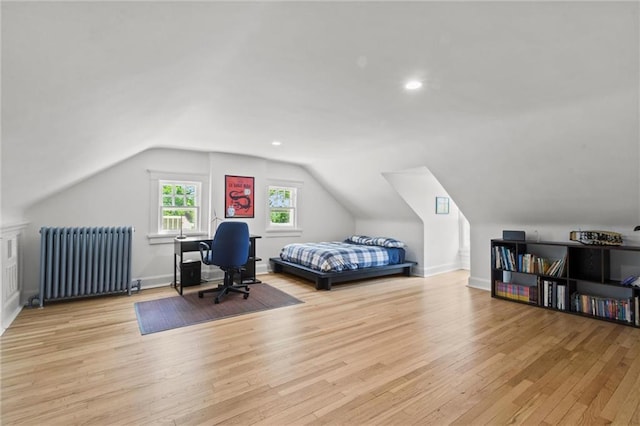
(229, 250)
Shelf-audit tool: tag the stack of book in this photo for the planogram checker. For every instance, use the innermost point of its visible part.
(537, 265)
(606, 307)
(505, 259)
(554, 295)
(518, 292)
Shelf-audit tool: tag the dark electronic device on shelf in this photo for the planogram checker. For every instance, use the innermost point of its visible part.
(513, 235)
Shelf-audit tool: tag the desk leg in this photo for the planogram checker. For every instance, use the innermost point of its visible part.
(180, 266)
(174, 283)
(177, 286)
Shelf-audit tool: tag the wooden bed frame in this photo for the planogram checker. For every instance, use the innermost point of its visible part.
(324, 280)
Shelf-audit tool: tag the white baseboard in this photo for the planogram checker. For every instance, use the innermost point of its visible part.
(262, 268)
(417, 271)
(441, 269)
(152, 282)
(479, 283)
(209, 274)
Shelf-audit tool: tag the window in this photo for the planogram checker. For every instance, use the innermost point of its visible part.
(282, 207)
(178, 202)
(179, 207)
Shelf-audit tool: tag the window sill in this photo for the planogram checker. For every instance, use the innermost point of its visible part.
(169, 238)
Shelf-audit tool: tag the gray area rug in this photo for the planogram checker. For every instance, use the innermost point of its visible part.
(180, 311)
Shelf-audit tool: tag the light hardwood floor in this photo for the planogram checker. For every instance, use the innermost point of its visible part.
(387, 351)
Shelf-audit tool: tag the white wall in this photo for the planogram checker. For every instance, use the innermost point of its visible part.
(408, 231)
(120, 196)
(117, 196)
(565, 164)
(481, 236)
(322, 218)
(440, 251)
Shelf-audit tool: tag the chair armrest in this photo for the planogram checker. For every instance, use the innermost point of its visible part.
(204, 247)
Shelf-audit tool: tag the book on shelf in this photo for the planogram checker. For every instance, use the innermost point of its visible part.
(548, 288)
(561, 292)
(556, 268)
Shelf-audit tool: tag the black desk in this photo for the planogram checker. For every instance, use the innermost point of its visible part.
(181, 246)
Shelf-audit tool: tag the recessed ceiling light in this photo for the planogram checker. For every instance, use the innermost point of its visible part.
(276, 143)
(413, 85)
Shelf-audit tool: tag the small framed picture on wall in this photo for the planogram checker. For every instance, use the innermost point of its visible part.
(238, 199)
(442, 205)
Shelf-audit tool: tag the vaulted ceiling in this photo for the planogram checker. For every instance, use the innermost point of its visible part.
(534, 101)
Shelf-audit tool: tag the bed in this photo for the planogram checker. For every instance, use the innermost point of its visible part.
(357, 257)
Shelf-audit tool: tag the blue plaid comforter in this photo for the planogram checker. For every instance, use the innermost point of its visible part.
(334, 256)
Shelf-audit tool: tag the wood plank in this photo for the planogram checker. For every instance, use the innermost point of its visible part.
(432, 351)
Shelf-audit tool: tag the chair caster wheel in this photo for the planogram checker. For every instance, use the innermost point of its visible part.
(200, 295)
(216, 300)
(246, 296)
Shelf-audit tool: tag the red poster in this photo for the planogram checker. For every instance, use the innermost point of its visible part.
(238, 196)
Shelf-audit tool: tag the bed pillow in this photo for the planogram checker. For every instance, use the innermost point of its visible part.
(375, 241)
(359, 239)
(387, 242)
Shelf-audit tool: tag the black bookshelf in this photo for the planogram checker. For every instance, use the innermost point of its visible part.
(587, 279)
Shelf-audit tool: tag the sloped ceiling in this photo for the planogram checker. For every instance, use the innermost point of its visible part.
(531, 102)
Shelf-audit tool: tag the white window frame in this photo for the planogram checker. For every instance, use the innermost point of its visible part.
(156, 179)
(196, 207)
(293, 229)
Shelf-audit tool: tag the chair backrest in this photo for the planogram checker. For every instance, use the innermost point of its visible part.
(230, 245)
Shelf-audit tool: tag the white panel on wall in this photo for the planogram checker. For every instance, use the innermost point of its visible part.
(10, 258)
(11, 263)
